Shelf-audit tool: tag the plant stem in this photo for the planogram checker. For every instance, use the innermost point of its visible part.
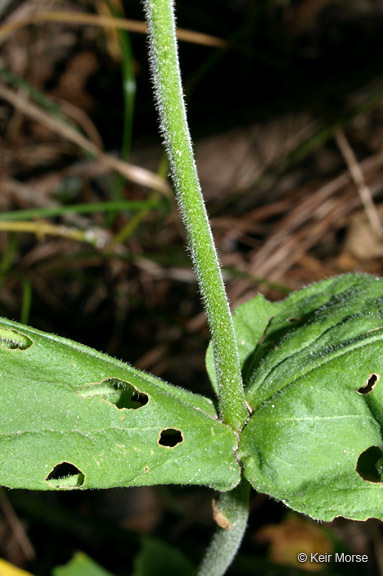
(234, 507)
(170, 102)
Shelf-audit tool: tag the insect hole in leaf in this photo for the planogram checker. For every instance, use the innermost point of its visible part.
(118, 392)
(370, 464)
(65, 475)
(170, 437)
(370, 384)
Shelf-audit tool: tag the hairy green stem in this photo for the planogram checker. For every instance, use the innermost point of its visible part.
(171, 107)
(232, 511)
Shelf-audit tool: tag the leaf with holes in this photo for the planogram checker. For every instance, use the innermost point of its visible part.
(71, 417)
(314, 384)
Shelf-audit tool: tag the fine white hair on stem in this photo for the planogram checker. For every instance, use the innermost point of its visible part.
(170, 102)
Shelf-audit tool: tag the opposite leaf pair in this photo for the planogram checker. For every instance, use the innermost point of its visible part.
(71, 417)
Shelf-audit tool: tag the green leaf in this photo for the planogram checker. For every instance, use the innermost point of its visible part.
(71, 417)
(314, 383)
(156, 558)
(80, 565)
(250, 322)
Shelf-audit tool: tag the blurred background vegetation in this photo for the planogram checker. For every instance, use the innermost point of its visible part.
(285, 102)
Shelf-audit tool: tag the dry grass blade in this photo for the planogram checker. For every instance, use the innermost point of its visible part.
(83, 121)
(42, 229)
(359, 181)
(133, 173)
(108, 22)
(17, 527)
(304, 225)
